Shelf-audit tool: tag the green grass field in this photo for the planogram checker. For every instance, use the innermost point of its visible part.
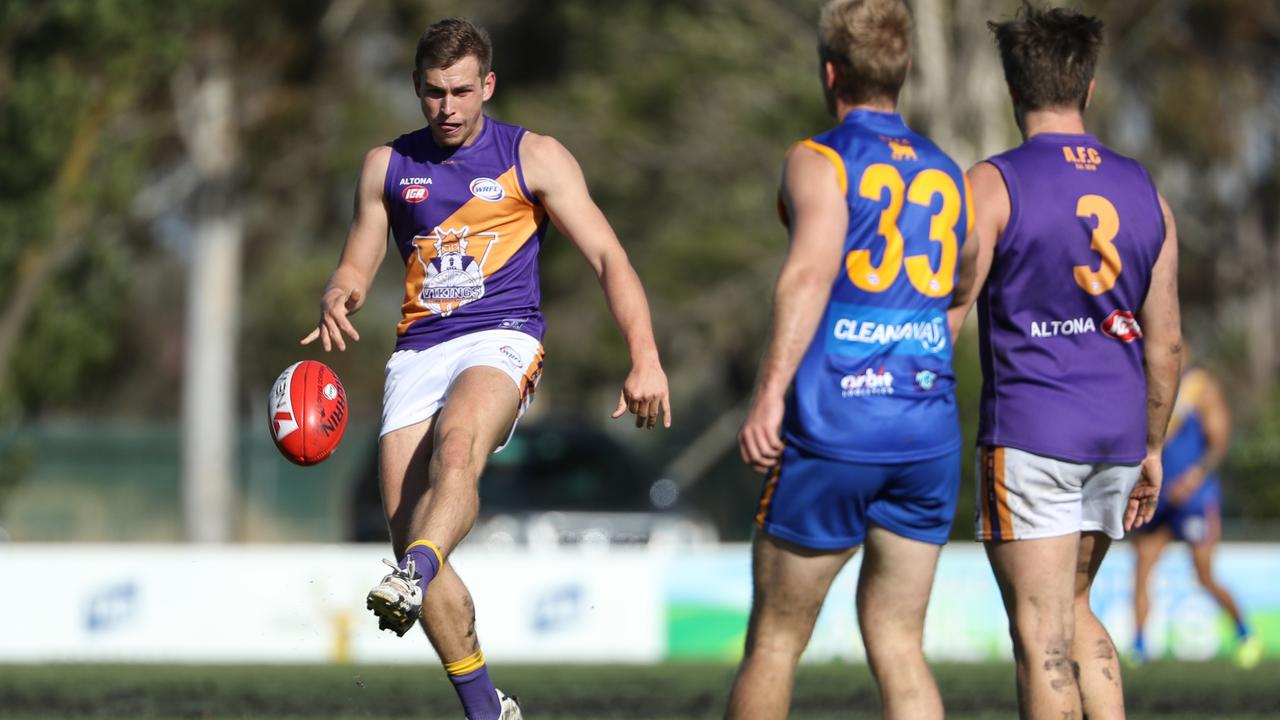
(152, 692)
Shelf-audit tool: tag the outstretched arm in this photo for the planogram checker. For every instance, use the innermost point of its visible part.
(989, 213)
(361, 255)
(553, 174)
(819, 221)
(1161, 324)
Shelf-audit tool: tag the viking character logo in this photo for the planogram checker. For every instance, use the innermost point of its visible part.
(451, 276)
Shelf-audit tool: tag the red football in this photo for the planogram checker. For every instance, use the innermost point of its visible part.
(307, 412)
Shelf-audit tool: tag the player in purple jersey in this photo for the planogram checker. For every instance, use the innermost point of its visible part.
(467, 199)
(1076, 261)
(853, 415)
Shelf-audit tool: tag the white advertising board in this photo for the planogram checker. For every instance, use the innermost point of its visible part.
(305, 603)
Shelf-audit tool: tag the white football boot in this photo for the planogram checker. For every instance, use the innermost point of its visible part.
(510, 709)
(397, 600)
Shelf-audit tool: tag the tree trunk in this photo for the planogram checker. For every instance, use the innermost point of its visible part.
(206, 119)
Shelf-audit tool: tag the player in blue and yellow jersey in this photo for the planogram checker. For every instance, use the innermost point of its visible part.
(854, 416)
(1190, 503)
(467, 200)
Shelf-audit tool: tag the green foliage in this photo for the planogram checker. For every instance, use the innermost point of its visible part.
(1250, 474)
(69, 342)
(679, 112)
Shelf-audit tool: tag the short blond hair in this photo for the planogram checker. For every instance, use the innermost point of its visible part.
(869, 43)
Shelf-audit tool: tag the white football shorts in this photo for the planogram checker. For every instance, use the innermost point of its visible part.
(418, 381)
(1023, 496)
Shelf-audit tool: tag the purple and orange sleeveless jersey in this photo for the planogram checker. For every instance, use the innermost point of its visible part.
(469, 232)
(1062, 351)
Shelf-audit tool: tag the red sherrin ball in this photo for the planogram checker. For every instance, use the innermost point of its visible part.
(307, 412)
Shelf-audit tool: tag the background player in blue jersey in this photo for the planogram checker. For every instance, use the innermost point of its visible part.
(854, 416)
(1080, 334)
(1190, 503)
(467, 200)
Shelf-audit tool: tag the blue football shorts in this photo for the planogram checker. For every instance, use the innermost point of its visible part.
(828, 504)
(1198, 520)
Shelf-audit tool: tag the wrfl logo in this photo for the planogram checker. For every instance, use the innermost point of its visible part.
(487, 189)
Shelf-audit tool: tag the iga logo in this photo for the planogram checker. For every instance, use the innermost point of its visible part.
(487, 189)
(867, 382)
(415, 193)
(1122, 325)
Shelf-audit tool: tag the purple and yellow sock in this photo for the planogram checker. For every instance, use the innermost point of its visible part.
(470, 678)
(426, 561)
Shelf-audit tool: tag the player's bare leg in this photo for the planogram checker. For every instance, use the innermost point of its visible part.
(403, 458)
(1147, 547)
(1037, 579)
(430, 486)
(893, 594)
(791, 583)
(1098, 664)
(1202, 558)
(480, 407)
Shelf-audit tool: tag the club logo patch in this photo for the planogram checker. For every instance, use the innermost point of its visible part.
(452, 275)
(926, 378)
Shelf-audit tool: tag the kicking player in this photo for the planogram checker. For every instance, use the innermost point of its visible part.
(467, 199)
(854, 417)
(1076, 258)
(1197, 440)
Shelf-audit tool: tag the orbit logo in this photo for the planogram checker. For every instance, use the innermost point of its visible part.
(867, 382)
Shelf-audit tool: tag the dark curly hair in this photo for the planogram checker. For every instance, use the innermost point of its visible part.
(1048, 55)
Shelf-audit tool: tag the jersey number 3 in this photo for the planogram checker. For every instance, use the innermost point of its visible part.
(1096, 282)
(942, 229)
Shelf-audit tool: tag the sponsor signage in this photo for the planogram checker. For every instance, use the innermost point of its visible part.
(1122, 325)
(863, 331)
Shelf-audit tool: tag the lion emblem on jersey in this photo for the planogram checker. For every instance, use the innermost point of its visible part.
(901, 149)
(452, 276)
